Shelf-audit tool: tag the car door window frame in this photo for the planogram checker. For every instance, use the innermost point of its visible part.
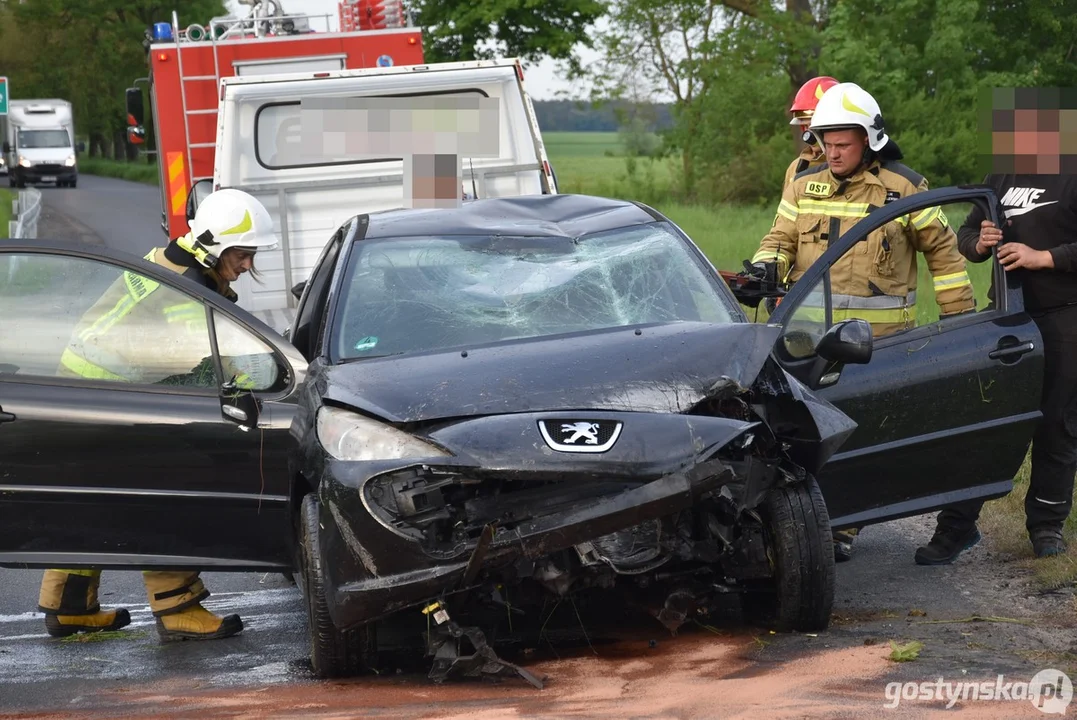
(187, 287)
(984, 196)
(311, 312)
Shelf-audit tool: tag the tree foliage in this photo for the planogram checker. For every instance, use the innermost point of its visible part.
(529, 29)
(731, 68)
(86, 52)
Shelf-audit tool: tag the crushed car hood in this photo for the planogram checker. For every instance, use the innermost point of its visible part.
(666, 368)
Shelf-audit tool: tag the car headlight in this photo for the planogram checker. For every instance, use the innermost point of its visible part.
(350, 436)
(70, 162)
(23, 162)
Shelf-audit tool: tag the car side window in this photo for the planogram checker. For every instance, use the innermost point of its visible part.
(83, 319)
(248, 360)
(909, 275)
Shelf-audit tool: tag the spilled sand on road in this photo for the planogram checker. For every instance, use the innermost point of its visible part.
(691, 676)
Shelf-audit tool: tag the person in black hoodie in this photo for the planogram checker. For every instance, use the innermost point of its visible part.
(1041, 242)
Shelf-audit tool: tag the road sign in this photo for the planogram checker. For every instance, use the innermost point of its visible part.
(3, 96)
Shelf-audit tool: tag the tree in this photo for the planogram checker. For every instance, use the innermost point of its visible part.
(86, 52)
(929, 63)
(658, 48)
(529, 29)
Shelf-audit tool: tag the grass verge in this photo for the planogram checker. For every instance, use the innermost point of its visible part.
(1003, 524)
(6, 197)
(137, 171)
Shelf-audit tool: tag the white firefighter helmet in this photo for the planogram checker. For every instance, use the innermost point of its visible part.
(848, 105)
(226, 219)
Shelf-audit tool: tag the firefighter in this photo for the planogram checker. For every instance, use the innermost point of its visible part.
(803, 108)
(861, 171)
(228, 229)
(877, 284)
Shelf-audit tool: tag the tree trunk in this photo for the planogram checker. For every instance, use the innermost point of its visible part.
(118, 152)
(97, 144)
(803, 60)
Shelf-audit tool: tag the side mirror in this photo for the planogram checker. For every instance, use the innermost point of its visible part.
(198, 193)
(81, 147)
(136, 135)
(7, 146)
(239, 406)
(848, 342)
(135, 112)
(297, 289)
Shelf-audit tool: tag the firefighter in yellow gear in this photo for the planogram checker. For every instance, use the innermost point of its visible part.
(876, 281)
(803, 108)
(110, 343)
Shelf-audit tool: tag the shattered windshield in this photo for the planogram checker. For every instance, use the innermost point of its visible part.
(414, 294)
(44, 139)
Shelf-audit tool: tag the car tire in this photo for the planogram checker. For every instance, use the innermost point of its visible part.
(800, 549)
(333, 653)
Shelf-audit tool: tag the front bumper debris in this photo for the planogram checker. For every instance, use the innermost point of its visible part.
(370, 598)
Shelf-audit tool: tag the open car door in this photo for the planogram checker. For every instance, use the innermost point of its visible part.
(144, 420)
(945, 410)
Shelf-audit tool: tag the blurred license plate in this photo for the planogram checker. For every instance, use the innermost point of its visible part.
(48, 178)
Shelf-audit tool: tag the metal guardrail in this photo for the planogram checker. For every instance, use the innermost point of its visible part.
(26, 209)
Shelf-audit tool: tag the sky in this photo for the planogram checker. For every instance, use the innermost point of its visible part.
(541, 80)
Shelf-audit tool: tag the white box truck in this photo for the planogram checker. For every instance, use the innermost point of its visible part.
(258, 139)
(39, 143)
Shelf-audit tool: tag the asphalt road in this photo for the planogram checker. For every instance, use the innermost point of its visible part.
(728, 671)
(123, 215)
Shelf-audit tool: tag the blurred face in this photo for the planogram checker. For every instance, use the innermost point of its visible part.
(844, 150)
(234, 262)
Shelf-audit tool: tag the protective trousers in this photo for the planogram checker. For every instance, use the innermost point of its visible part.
(74, 592)
(1054, 445)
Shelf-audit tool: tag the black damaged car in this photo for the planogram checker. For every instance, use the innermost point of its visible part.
(549, 395)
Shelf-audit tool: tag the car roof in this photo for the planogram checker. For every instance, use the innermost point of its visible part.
(527, 215)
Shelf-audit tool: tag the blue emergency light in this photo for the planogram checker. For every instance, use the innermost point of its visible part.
(162, 32)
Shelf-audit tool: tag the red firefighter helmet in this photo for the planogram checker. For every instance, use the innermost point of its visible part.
(807, 97)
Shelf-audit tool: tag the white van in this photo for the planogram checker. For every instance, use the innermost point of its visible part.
(39, 143)
(258, 137)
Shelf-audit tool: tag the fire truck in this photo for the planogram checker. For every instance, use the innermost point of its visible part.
(187, 64)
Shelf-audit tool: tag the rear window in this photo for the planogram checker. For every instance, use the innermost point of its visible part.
(278, 140)
(416, 294)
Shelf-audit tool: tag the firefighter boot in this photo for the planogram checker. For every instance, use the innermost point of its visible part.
(176, 601)
(69, 600)
(843, 544)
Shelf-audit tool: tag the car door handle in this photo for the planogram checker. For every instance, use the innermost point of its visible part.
(6, 416)
(1011, 352)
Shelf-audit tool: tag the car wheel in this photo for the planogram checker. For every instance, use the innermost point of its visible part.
(801, 553)
(73, 183)
(333, 653)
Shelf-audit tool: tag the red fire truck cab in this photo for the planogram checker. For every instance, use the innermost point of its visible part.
(187, 64)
